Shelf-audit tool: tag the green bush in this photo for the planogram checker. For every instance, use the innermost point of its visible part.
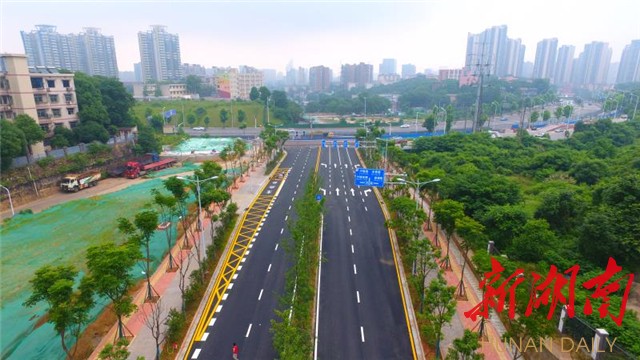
(45, 162)
(97, 148)
(175, 322)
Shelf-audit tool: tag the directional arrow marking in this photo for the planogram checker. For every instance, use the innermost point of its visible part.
(353, 192)
(323, 164)
(346, 166)
(324, 192)
(338, 191)
(366, 192)
(335, 165)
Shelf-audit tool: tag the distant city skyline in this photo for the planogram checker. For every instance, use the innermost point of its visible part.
(271, 34)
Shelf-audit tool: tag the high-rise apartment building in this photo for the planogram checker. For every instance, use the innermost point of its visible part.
(592, 66)
(359, 75)
(629, 69)
(544, 65)
(408, 71)
(159, 55)
(320, 78)
(388, 67)
(564, 65)
(89, 52)
(492, 52)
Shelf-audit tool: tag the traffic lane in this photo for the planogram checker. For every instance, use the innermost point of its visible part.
(264, 259)
(339, 323)
(382, 307)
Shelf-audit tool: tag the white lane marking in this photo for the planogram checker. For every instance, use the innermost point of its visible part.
(347, 208)
(219, 308)
(289, 207)
(362, 333)
(230, 286)
(358, 296)
(349, 218)
(293, 198)
(269, 269)
(235, 276)
(355, 271)
(350, 232)
(276, 249)
(250, 246)
(315, 349)
(260, 296)
(248, 251)
(281, 231)
(249, 330)
(295, 192)
(286, 217)
(225, 296)
(213, 321)
(365, 209)
(239, 268)
(196, 354)
(363, 200)
(243, 260)
(204, 336)
(352, 250)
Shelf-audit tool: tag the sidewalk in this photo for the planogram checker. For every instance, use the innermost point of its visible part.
(166, 284)
(492, 347)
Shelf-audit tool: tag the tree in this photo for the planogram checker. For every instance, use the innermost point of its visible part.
(504, 222)
(279, 99)
(561, 208)
(589, 171)
(567, 111)
(465, 348)
(13, 144)
(153, 321)
(191, 119)
(117, 101)
(471, 235)
(194, 84)
(224, 116)
(147, 140)
(429, 123)
(207, 121)
(109, 270)
(33, 133)
(90, 106)
(242, 116)
(423, 257)
(558, 113)
(534, 116)
(546, 115)
(254, 94)
(68, 309)
(446, 214)
(146, 223)
(440, 305)
(534, 240)
(91, 131)
(117, 351)
(264, 94)
(168, 210)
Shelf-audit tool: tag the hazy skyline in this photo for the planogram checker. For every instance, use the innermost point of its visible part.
(270, 34)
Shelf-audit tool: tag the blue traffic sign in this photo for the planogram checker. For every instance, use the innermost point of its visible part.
(369, 177)
(346, 144)
(318, 197)
(324, 143)
(170, 113)
(335, 143)
(357, 144)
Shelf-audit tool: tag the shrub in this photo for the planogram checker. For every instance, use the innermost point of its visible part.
(45, 162)
(175, 322)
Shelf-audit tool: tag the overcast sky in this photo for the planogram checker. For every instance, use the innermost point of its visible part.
(270, 34)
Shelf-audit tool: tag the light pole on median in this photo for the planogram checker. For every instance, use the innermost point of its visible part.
(10, 201)
(197, 181)
(418, 185)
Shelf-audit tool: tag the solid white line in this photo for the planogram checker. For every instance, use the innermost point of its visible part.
(315, 350)
(362, 333)
(276, 249)
(350, 232)
(260, 296)
(269, 269)
(281, 231)
(249, 330)
(195, 354)
(355, 271)
(358, 296)
(213, 321)
(352, 250)
(204, 336)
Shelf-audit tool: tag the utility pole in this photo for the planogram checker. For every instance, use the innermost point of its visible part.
(480, 68)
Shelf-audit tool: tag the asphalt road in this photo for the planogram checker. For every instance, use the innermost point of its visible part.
(361, 314)
(246, 313)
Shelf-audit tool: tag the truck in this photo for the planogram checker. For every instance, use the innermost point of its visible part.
(75, 182)
(134, 169)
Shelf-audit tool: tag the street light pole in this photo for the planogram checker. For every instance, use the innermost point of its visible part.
(10, 201)
(197, 181)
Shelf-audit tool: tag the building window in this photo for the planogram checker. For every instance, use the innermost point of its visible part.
(4, 83)
(58, 125)
(44, 127)
(56, 112)
(68, 98)
(51, 83)
(73, 124)
(66, 83)
(37, 83)
(38, 99)
(71, 111)
(53, 99)
(6, 100)
(42, 113)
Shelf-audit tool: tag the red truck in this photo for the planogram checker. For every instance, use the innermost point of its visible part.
(134, 169)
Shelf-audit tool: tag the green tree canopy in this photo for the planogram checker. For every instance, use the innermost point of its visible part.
(33, 133)
(13, 144)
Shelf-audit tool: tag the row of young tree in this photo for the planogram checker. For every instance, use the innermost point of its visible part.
(541, 202)
(110, 267)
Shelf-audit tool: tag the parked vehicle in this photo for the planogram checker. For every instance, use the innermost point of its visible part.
(76, 182)
(134, 169)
